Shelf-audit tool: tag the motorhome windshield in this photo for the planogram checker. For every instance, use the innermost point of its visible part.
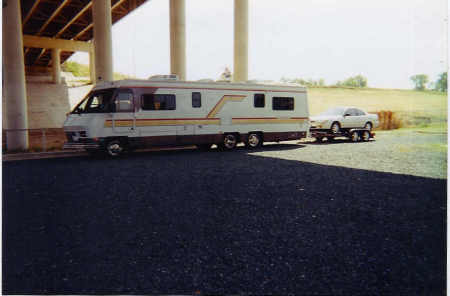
(99, 101)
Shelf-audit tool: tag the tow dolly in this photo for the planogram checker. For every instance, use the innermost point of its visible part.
(354, 134)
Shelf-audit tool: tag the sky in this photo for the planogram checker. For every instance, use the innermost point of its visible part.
(386, 41)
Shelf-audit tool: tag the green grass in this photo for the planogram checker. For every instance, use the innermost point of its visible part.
(414, 108)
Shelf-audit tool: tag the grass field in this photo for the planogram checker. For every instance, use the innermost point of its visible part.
(413, 108)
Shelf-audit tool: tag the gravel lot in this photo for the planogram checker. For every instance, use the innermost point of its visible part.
(291, 218)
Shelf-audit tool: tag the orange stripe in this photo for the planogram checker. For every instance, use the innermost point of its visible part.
(222, 101)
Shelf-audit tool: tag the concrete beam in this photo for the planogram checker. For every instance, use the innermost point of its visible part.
(101, 14)
(30, 12)
(63, 44)
(54, 14)
(88, 27)
(92, 66)
(14, 77)
(56, 65)
(240, 40)
(178, 38)
(80, 13)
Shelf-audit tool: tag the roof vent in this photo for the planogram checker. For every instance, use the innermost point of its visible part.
(164, 77)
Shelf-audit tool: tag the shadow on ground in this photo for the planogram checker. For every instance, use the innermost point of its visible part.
(204, 222)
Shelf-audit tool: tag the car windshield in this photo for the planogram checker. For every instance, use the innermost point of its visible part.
(334, 111)
(99, 101)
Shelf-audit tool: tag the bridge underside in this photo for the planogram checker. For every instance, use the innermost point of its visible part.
(66, 19)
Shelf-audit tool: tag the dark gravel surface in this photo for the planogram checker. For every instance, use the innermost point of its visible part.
(210, 222)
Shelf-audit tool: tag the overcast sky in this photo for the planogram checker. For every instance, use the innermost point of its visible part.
(385, 40)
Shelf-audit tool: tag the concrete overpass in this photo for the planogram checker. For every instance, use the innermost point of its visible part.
(39, 35)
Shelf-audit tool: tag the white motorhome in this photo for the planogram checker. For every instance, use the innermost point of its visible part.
(128, 114)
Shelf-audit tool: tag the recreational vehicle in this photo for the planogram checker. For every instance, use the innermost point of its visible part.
(129, 114)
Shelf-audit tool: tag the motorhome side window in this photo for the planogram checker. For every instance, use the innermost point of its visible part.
(283, 103)
(196, 100)
(158, 102)
(259, 101)
(124, 101)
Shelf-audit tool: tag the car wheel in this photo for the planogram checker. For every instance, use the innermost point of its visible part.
(229, 142)
(368, 126)
(114, 148)
(366, 136)
(354, 136)
(335, 127)
(254, 140)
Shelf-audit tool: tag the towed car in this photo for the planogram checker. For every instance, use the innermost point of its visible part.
(341, 119)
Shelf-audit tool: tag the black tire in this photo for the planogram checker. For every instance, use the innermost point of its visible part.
(365, 136)
(330, 139)
(114, 148)
(335, 127)
(229, 142)
(368, 126)
(355, 137)
(254, 140)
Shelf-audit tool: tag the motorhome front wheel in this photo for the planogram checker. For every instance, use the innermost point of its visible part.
(114, 148)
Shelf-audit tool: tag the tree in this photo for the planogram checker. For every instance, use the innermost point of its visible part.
(419, 80)
(78, 70)
(355, 81)
(441, 83)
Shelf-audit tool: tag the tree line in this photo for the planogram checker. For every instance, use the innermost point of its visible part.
(354, 81)
(420, 82)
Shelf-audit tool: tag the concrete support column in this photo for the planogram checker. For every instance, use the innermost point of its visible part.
(56, 65)
(92, 65)
(240, 40)
(178, 38)
(14, 76)
(101, 13)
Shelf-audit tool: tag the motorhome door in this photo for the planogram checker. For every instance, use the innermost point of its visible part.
(123, 117)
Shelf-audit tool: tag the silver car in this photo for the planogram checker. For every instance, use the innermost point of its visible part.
(339, 119)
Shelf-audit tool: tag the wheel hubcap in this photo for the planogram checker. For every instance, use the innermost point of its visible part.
(368, 126)
(253, 140)
(355, 137)
(366, 136)
(229, 141)
(335, 128)
(114, 149)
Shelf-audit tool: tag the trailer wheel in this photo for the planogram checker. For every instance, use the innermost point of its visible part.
(229, 142)
(366, 136)
(114, 148)
(335, 127)
(254, 140)
(354, 136)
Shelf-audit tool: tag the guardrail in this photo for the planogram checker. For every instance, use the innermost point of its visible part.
(39, 138)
